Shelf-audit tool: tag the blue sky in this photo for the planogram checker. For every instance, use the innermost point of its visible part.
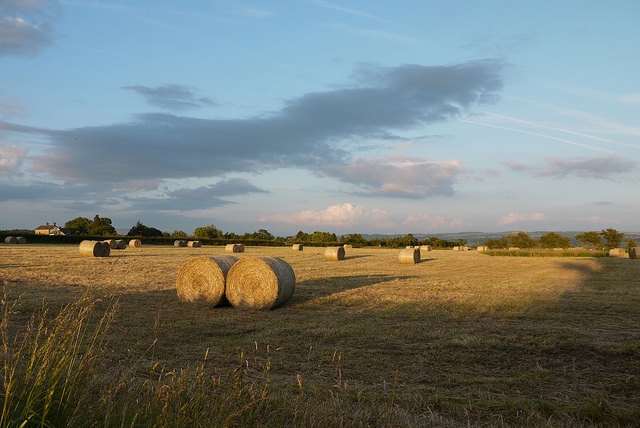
(340, 116)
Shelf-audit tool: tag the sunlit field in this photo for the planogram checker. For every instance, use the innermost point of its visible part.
(460, 338)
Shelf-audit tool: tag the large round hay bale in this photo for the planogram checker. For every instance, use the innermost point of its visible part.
(94, 249)
(10, 240)
(332, 254)
(617, 252)
(234, 248)
(135, 243)
(634, 253)
(111, 242)
(21, 240)
(179, 243)
(203, 278)
(409, 256)
(121, 244)
(194, 244)
(297, 247)
(260, 283)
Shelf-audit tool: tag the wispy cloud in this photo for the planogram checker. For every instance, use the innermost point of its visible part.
(339, 8)
(171, 97)
(606, 168)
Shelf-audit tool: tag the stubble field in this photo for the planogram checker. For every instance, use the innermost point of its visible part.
(460, 338)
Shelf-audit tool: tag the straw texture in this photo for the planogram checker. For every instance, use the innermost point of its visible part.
(10, 240)
(94, 249)
(194, 244)
(203, 278)
(634, 253)
(234, 248)
(135, 243)
(297, 247)
(409, 256)
(179, 243)
(260, 283)
(332, 254)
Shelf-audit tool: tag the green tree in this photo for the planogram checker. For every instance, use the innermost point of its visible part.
(354, 239)
(590, 240)
(207, 232)
(631, 243)
(102, 227)
(612, 237)
(302, 237)
(522, 240)
(78, 226)
(179, 234)
(554, 240)
(497, 244)
(323, 237)
(263, 234)
(141, 230)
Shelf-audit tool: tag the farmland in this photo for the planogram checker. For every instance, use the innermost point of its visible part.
(460, 338)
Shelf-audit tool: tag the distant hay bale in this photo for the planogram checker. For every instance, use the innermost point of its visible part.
(194, 244)
(634, 253)
(234, 248)
(332, 254)
(94, 248)
(425, 248)
(260, 283)
(10, 240)
(111, 242)
(409, 256)
(179, 243)
(483, 248)
(21, 240)
(514, 248)
(135, 243)
(347, 246)
(121, 244)
(204, 278)
(617, 252)
(297, 247)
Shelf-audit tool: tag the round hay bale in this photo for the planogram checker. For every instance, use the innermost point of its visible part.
(10, 240)
(617, 252)
(135, 243)
(179, 243)
(111, 242)
(409, 256)
(634, 253)
(21, 240)
(234, 248)
(332, 254)
(260, 283)
(121, 244)
(194, 244)
(426, 248)
(297, 247)
(94, 249)
(203, 278)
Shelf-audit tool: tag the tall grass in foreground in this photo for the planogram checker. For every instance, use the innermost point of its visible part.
(45, 368)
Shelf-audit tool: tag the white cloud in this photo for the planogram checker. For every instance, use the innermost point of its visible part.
(335, 216)
(11, 157)
(520, 217)
(435, 223)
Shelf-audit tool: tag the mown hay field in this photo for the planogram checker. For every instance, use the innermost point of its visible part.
(459, 338)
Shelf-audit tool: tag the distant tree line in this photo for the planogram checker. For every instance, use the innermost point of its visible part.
(102, 226)
(605, 239)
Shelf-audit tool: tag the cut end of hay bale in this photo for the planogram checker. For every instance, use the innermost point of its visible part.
(94, 248)
(203, 278)
(334, 254)
(194, 244)
(234, 248)
(135, 243)
(10, 240)
(634, 253)
(260, 283)
(409, 256)
(179, 243)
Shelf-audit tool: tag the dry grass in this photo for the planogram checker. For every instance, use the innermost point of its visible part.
(459, 338)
